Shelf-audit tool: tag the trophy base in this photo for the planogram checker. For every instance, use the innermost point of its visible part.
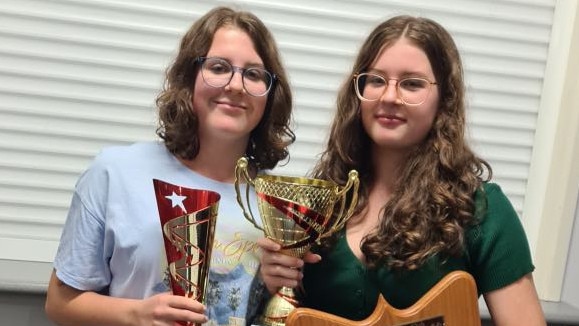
(279, 307)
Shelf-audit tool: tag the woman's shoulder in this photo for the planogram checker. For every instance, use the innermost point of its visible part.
(122, 159)
(494, 213)
(490, 199)
(136, 150)
(490, 188)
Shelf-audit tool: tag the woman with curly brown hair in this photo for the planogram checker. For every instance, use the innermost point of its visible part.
(226, 95)
(427, 206)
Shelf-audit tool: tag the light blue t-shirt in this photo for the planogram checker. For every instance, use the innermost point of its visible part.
(112, 241)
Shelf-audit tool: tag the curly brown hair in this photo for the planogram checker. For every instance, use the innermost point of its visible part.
(433, 201)
(178, 123)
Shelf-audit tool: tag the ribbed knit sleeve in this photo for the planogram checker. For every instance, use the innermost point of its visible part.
(498, 248)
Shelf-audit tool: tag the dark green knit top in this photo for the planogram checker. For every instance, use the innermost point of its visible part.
(496, 254)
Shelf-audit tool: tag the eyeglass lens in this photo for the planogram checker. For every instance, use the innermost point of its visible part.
(218, 72)
(413, 90)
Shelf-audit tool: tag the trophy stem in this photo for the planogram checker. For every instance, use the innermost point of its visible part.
(279, 307)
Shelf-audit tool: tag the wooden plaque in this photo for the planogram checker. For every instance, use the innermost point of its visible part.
(453, 301)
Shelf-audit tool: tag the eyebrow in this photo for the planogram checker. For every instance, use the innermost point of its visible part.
(403, 75)
(247, 65)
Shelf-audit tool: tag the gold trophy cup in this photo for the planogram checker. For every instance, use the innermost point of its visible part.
(295, 212)
(188, 218)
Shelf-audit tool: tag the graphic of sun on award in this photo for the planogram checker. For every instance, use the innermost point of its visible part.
(188, 219)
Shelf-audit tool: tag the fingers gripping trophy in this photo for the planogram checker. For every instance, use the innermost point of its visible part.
(295, 212)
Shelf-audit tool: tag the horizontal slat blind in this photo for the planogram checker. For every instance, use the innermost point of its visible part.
(78, 75)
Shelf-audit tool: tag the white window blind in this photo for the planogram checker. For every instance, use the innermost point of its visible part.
(78, 75)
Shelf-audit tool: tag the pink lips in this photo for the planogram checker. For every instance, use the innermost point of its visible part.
(389, 120)
(230, 105)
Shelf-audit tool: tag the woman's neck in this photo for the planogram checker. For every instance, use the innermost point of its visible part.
(216, 160)
(387, 166)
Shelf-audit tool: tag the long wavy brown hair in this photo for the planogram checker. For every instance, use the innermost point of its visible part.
(179, 125)
(433, 198)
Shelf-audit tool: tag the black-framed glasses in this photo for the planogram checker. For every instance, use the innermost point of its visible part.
(218, 72)
(411, 90)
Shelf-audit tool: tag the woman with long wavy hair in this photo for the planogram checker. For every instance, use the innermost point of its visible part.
(426, 204)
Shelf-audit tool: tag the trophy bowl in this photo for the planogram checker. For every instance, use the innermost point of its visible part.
(295, 212)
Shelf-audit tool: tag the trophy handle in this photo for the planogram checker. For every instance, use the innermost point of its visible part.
(241, 173)
(353, 185)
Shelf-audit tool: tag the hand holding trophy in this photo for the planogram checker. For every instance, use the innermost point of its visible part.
(188, 218)
(295, 212)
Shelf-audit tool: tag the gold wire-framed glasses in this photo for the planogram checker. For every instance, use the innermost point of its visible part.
(411, 91)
